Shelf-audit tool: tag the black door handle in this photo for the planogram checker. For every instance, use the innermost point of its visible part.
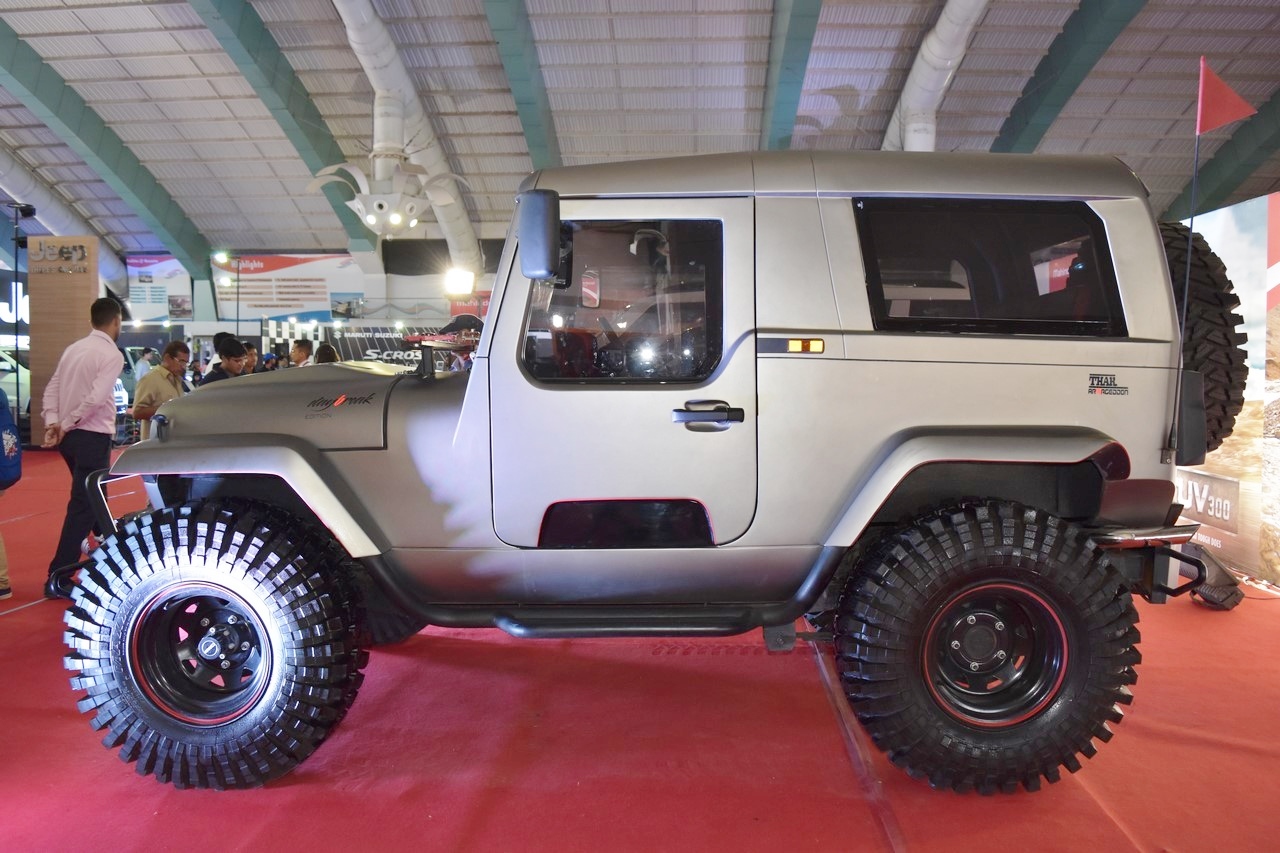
(721, 414)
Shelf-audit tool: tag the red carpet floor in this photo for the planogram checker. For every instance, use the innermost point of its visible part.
(473, 741)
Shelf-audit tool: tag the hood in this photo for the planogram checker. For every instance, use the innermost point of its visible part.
(330, 406)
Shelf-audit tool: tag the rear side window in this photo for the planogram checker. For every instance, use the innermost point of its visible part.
(636, 301)
(1002, 267)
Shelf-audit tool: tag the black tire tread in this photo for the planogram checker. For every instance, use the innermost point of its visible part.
(286, 561)
(1214, 342)
(882, 610)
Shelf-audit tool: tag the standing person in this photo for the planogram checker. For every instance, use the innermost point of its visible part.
(79, 411)
(162, 385)
(300, 353)
(145, 361)
(327, 354)
(232, 357)
(269, 362)
(211, 362)
(11, 459)
(251, 357)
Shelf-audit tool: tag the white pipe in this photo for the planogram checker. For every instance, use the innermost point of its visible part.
(388, 135)
(373, 46)
(56, 215)
(914, 124)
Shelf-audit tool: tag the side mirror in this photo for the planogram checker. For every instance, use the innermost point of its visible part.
(538, 231)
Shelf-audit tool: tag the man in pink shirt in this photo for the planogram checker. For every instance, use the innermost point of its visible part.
(80, 419)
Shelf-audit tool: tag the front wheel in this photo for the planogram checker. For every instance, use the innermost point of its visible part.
(215, 643)
(985, 645)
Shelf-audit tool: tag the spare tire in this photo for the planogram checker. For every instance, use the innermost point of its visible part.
(1213, 343)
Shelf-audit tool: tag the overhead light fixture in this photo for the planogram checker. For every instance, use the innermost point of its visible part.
(221, 257)
(399, 325)
(224, 280)
(459, 282)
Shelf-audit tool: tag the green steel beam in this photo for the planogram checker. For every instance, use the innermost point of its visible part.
(1085, 37)
(1253, 143)
(43, 91)
(791, 40)
(257, 55)
(509, 23)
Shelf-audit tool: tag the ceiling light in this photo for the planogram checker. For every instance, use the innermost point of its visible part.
(221, 257)
(224, 280)
(459, 282)
(371, 219)
(395, 218)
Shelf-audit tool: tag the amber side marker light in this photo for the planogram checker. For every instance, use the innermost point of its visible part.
(805, 345)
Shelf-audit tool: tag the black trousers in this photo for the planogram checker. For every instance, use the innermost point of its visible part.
(84, 452)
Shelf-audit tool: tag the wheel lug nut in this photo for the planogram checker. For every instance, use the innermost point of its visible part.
(231, 620)
(204, 623)
(1000, 654)
(244, 647)
(955, 644)
(212, 631)
(972, 620)
(974, 666)
(226, 664)
(999, 626)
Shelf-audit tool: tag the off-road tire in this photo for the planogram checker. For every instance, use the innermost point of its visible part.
(178, 593)
(926, 617)
(385, 622)
(1214, 343)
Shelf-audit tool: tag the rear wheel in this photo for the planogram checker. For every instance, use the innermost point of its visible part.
(215, 643)
(1214, 343)
(985, 645)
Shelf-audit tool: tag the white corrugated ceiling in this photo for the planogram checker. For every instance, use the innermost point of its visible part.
(625, 79)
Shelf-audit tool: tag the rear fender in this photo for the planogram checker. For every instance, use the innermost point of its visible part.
(914, 452)
(304, 469)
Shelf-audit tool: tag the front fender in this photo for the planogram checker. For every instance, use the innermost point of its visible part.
(305, 469)
(1064, 446)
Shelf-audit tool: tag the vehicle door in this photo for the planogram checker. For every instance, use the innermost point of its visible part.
(623, 398)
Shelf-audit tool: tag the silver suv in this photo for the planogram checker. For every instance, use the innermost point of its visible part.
(931, 401)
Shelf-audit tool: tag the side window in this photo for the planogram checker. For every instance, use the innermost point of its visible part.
(1004, 267)
(636, 301)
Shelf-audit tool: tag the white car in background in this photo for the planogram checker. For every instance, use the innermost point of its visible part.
(15, 379)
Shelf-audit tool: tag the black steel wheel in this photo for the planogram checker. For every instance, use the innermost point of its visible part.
(215, 643)
(1215, 338)
(986, 645)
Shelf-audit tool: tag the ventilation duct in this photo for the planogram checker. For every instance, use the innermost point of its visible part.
(914, 124)
(379, 58)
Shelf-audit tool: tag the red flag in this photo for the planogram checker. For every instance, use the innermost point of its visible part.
(1218, 104)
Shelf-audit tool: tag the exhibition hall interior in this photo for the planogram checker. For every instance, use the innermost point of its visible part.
(643, 425)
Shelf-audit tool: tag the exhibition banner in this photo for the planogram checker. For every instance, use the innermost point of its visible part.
(1225, 494)
(1270, 533)
(282, 287)
(387, 344)
(159, 289)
